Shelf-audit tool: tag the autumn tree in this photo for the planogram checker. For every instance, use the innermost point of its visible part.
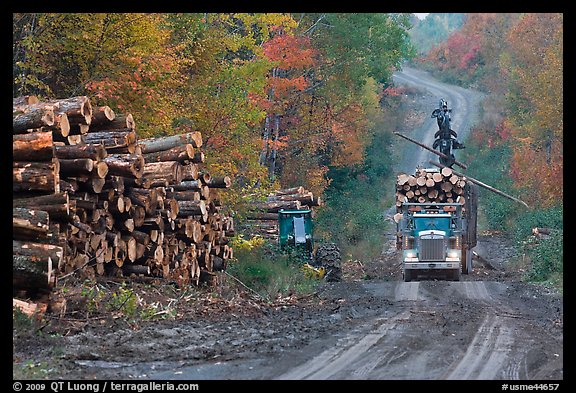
(534, 69)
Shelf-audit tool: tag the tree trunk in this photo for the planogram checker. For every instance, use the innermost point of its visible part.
(35, 146)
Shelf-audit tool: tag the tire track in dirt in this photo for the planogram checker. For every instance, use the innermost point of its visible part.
(336, 359)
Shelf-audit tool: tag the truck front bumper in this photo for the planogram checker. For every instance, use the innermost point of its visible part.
(455, 264)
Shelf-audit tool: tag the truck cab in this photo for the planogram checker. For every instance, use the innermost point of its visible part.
(432, 240)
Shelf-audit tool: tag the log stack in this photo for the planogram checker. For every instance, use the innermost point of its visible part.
(262, 218)
(92, 199)
(424, 186)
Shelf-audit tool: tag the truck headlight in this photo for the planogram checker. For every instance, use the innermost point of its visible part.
(454, 254)
(410, 254)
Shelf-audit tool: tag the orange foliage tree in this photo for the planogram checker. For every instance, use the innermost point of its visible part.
(535, 71)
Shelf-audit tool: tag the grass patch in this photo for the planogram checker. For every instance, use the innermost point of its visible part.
(270, 273)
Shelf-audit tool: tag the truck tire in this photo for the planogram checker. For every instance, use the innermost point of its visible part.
(466, 261)
(328, 257)
(408, 275)
(455, 275)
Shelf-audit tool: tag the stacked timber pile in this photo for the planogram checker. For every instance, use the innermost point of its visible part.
(442, 186)
(262, 218)
(90, 198)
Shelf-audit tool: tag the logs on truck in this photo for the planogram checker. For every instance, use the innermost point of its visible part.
(423, 187)
(92, 199)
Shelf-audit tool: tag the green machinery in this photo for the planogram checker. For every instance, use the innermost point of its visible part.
(295, 229)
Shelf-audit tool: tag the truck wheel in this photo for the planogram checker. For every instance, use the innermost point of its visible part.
(408, 275)
(466, 261)
(328, 256)
(455, 276)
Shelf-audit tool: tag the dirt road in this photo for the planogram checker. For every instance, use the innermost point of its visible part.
(490, 325)
(463, 102)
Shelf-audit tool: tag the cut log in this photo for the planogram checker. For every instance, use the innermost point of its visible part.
(95, 152)
(293, 190)
(221, 182)
(58, 206)
(182, 154)
(110, 139)
(152, 145)
(121, 121)
(402, 179)
(168, 171)
(36, 176)
(25, 100)
(184, 195)
(75, 167)
(305, 198)
(78, 109)
(32, 272)
(100, 169)
(189, 172)
(36, 310)
(446, 172)
(274, 207)
(38, 250)
(191, 208)
(35, 146)
(102, 115)
(126, 165)
(29, 223)
(61, 125)
(35, 117)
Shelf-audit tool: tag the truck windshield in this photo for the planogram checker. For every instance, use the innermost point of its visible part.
(426, 223)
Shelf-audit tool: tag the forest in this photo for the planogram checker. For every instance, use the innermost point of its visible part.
(307, 98)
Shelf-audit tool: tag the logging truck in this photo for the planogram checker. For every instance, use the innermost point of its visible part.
(436, 223)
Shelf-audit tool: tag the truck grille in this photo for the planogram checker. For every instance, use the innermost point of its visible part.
(432, 248)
